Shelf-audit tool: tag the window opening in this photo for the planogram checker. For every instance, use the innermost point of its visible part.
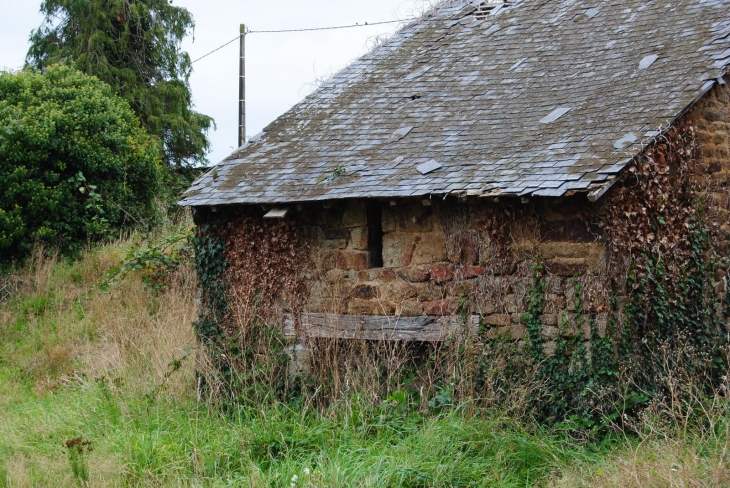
(375, 234)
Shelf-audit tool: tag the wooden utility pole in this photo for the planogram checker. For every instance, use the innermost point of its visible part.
(242, 90)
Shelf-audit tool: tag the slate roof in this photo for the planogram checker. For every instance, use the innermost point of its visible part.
(541, 98)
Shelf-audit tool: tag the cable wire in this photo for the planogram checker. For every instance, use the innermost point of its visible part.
(366, 24)
(217, 49)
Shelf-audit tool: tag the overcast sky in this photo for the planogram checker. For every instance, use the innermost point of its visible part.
(281, 68)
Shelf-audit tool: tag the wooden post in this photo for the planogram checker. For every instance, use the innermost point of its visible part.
(242, 90)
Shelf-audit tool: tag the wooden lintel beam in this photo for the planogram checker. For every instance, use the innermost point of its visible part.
(379, 328)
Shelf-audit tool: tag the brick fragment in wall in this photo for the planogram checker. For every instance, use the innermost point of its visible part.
(445, 306)
(359, 238)
(356, 260)
(497, 319)
(415, 274)
(463, 247)
(398, 290)
(429, 291)
(355, 215)
(409, 308)
(442, 272)
(358, 306)
(430, 247)
(365, 291)
(467, 272)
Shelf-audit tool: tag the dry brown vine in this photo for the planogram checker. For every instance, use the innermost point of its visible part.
(266, 259)
(653, 207)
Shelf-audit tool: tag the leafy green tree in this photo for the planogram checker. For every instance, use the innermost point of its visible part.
(134, 46)
(75, 164)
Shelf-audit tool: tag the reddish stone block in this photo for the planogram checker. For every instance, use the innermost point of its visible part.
(446, 306)
(466, 272)
(356, 260)
(415, 275)
(442, 273)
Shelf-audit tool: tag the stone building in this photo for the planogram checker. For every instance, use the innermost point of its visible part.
(427, 181)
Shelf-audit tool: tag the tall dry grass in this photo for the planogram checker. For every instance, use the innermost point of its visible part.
(129, 334)
(61, 337)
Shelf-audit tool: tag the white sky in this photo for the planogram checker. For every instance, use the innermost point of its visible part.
(281, 68)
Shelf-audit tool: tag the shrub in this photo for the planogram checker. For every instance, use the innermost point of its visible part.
(74, 162)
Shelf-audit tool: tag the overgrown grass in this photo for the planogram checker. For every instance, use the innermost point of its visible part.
(78, 362)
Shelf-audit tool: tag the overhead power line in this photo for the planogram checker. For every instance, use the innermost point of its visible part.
(216, 49)
(366, 24)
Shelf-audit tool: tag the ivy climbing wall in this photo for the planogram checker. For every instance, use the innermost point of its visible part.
(582, 289)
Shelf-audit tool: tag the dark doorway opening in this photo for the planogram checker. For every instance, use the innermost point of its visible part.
(375, 234)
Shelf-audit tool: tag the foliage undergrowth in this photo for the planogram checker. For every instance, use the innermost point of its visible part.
(114, 368)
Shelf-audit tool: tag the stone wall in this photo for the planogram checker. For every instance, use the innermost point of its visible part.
(475, 256)
(711, 119)
(445, 258)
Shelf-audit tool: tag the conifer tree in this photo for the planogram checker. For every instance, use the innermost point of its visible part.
(134, 46)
